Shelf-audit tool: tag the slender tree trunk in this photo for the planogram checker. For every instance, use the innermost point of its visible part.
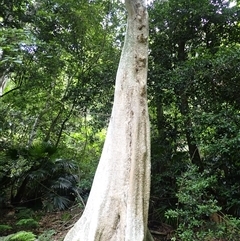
(117, 208)
(160, 119)
(184, 109)
(192, 146)
(20, 192)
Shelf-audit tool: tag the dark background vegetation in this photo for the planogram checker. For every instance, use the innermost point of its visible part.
(58, 61)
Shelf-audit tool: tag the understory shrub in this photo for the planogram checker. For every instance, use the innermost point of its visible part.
(196, 206)
(24, 213)
(4, 228)
(46, 235)
(27, 223)
(21, 236)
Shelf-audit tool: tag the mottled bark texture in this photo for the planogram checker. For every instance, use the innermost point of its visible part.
(117, 208)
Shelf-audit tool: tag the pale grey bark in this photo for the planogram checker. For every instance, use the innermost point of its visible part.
(117, 208)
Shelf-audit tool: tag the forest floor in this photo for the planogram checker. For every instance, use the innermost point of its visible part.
(55, 225)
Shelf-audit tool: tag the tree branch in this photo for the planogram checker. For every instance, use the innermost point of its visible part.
(8, 92)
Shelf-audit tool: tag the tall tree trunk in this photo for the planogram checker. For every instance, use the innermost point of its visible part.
(117, 208)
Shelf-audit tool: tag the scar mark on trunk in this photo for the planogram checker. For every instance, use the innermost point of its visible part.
(143, 91)
(141, 38)
(141, 62)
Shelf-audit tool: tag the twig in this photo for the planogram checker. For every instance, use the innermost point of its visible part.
(158, 233)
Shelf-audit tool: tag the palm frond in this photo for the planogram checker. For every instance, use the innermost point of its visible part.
(62, 183)
(61, 202)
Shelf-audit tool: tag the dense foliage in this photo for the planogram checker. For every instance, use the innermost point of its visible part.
(57, 82)
(58, 63)
(194, 81)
